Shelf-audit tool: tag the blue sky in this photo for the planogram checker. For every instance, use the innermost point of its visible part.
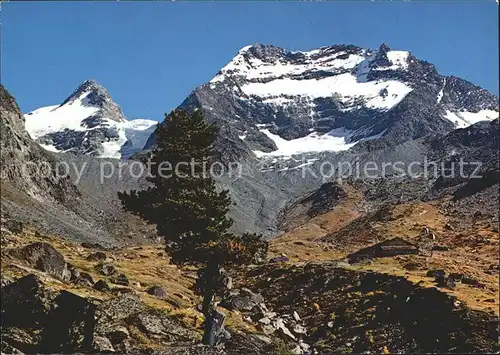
(151, 55)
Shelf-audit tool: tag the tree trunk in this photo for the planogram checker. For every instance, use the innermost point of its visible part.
(213, 319)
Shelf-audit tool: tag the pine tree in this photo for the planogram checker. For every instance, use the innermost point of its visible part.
(185, 204)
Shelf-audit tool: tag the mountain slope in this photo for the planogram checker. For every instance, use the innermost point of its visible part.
(285, 115)
(88, 122)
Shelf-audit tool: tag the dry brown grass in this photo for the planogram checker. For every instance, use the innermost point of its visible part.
(471, 252)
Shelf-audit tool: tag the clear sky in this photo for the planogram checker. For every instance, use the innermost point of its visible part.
(151, 55)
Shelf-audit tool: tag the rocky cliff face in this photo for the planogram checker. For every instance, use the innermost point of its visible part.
(24, 164)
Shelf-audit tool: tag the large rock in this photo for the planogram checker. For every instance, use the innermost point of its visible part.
(242, 300)
(102, 286)
(158, 327)
(116, 309)
(71, 325)
(36, 319)
(43, 257)
(157, 291)
(97, 256)
(84, 279)
(105, 269)
(26, 303)
(102, 345)
(120, 279)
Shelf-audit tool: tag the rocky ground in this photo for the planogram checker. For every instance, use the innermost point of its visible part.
(458, 236)
(58, 296)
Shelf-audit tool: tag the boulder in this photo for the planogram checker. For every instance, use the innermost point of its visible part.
(43, 257)
(280, 325)
(37, 319)
(84, 280)
(74, 272)
(473, 282)
(456, 276)
(120, 279)
(70, 325)
(157, 291)
(102, 286)
(279, 259)
(435, 273)
(161, 328)
(97, 256)
(26, 302)
(116, 309)
(8, 349)
(446, 282)
(242, 300)
(20, 340)
(118, 335)
(105, 269)
(265, 320)
(299, 329)
(102, 345)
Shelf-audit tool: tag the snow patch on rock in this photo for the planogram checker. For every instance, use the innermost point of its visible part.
(463, 119)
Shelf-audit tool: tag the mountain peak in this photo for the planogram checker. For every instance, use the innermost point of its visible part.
(263, 51)
(88, 122)
(384, 48)
(92, 94)
(92, 90)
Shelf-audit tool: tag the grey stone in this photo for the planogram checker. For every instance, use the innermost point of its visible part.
(105, 269)
(120, 279)
(102, 345)
(242, 299)
(44, 257)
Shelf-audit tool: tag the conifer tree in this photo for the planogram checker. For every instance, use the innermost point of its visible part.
(184, 203)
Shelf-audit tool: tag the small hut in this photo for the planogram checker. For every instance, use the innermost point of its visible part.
(387, 248)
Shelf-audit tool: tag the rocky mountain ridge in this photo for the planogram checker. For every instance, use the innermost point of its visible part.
(277, 104)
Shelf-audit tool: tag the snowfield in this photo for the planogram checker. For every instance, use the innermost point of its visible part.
(56, 118)
(277, 82)
(462, 119)
(333, 141)
(377, 95)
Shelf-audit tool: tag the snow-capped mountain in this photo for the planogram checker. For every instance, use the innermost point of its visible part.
(271, 102)
(88, 122)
